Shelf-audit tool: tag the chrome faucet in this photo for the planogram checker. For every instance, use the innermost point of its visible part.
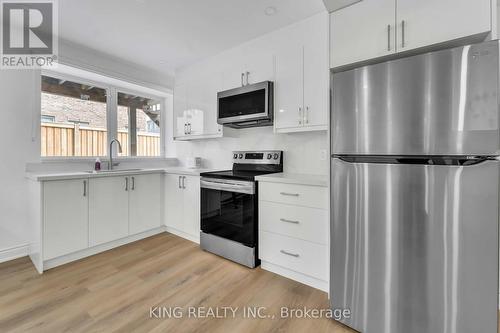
(110, 165)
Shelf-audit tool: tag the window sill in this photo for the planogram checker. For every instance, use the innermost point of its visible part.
(76, 159)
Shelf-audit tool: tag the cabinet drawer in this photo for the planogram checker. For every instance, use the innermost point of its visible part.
(310, 224)
(292, 194)
(295, 254)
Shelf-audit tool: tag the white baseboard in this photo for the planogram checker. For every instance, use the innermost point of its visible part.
(299, 277)
(51, 263)
(192, 238)
(14, 252)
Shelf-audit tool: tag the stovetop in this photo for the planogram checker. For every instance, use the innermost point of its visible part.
(249, 164)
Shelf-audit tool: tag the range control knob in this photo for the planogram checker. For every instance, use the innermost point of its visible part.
(276, 156)
(240, 156)
(235, 156)
(269, 156)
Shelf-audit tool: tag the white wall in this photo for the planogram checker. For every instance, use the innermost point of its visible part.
(302, 150)
(19, 144)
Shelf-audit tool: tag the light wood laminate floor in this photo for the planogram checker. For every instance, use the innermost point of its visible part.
(114, 291)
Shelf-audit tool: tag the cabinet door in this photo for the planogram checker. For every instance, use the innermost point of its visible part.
(180, 107)
(362, 31)
(428, 22)
(288, 89)
(144, 202)
(316, 74)
(65, 206)
(258, 67)
(233, 76)
(202, 101)
(174, 202)
(191, 211)
(108, 209)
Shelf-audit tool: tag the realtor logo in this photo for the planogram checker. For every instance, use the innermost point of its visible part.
(28, 37)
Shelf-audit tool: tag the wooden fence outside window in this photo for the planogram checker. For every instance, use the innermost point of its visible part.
(76, 140)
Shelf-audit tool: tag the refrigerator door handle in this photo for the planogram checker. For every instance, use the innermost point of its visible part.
(418, 160)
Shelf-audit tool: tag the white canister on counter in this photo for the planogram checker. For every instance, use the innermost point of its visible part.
(193, 162)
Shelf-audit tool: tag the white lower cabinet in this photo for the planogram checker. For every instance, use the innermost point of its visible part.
(293, 232)
(182, 205)
(85, 216)
(144, 203)
(108, 209)
(65, 208)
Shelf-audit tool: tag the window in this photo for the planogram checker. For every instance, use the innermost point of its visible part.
(48, 119)
(139, 125)
(64, 101)
(76, 114)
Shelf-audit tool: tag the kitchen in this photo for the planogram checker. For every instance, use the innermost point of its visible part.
(213, 204)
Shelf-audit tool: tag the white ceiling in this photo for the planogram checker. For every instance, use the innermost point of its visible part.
(167, 34)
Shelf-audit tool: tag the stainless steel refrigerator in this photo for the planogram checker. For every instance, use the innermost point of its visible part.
(414, 193)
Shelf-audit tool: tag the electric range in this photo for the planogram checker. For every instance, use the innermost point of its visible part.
(229, 206)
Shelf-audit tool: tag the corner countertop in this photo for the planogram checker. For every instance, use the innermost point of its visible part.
(295, 178)
(46, 176)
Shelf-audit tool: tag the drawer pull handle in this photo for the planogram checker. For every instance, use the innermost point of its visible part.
(289, 221)
(296, 255)
(290, 194)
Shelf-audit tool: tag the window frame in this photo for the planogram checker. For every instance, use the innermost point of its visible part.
(112, 87)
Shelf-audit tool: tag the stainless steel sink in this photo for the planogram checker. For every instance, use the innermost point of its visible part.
(113, 171)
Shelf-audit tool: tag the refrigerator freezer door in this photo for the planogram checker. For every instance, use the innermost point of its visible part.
(439, 103)
(415, 247)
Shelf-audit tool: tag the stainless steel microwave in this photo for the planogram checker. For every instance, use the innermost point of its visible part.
(247, 106)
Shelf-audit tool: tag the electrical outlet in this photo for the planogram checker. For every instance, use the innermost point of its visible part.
(323, 154)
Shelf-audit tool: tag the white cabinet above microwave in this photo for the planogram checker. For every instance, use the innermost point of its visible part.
(375, 28)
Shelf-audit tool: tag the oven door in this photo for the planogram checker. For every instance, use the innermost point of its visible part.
(229, 209)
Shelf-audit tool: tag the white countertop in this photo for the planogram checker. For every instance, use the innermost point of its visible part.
(295, 178)
(44, 176)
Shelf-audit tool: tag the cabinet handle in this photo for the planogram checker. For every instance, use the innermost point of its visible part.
(300, 115)
(133, 183)
(189, 128)
(247, 76)
(84, 188)
(388, 37)
(289, 221)
(126, 183)
(290, 194)
(185, 128)
(180, 181)
(307, 115)
(296, 255)
(242, 75)
(184, 182)
(403, 23)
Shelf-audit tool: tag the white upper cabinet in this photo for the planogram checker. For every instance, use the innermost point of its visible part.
(316, 75)
(427, 22)
(253, 67)
(288, 88)
(362, 31)
(374, 28)
(301, 87)
(258, 67)
(145, 202)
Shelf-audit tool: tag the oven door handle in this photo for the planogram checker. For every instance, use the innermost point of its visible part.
(238, 188)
